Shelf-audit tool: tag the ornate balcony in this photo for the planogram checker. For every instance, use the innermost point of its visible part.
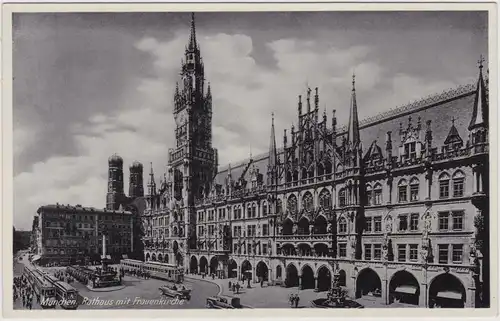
(307, 238)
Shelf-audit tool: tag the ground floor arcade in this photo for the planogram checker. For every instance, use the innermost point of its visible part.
(413, 284)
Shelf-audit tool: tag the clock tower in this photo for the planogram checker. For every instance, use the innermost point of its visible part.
(193, 162)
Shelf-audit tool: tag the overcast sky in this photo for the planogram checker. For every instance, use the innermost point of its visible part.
(89, 85)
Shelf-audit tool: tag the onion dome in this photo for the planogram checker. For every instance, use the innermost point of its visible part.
(136, 164)
(115, 159)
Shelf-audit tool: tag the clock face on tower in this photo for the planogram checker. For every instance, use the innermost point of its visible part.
(181, 118)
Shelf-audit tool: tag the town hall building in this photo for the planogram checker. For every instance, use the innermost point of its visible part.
(397, 204)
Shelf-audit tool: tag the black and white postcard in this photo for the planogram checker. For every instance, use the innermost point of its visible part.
(310, 158)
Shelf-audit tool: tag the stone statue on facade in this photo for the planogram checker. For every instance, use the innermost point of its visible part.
(352, 240)
(388, 225)
(385, 248)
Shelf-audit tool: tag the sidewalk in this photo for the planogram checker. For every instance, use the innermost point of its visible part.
(266, 297)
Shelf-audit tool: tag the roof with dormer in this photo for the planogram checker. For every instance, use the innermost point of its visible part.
(439, 108)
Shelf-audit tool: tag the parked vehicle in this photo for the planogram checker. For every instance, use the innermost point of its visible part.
(223, 302)
(176, 291)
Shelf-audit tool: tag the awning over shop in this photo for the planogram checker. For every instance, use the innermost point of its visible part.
(124, 256)
(408, 289)
(450, 295)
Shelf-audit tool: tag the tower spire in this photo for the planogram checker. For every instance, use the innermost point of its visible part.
(272, 146)
(353, 127)
(480, 111)
(192, 37)
(151, 184)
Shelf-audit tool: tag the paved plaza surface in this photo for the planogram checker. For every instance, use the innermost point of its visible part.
(277, 296)
(145, 293)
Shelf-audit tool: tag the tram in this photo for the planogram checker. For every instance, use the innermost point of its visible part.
(164, 271)
(67, 296)
(43, 288)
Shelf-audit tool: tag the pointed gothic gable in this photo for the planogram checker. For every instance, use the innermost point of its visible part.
(453, 137)
(374, 152)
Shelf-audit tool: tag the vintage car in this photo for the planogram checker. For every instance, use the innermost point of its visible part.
(223, 302)
(176, 291)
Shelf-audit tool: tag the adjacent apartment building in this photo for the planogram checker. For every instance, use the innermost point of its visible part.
(69, 234)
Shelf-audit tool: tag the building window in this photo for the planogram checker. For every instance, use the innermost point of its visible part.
(402, 191)
(443, 221)
(443, 253)
(368, 225)
(377, 199)
(342, 225)
(264, 209)
(414, 184)
(342, 200)
(410, 150)
(444, 185)
(368, 252)
(342, 249)
(292, 204)
(377, 252)
(458, 221)
(265, 230)
(325, 199)
(369, 195)
(264, 249)
(458, 184)
(378, 223)
(307, 201)
(414, 222)
(413, 252)
(401, 252)
(403, 222)
(457, 254)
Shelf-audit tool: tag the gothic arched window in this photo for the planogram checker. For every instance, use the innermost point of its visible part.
(458, 184)
(325, 199)
(342, 225)
(342, 197)
(369, 194)
(292, 204)
(444, 185)
(307, 201)
(403, 191)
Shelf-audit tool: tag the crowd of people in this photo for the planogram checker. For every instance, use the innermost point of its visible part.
(64, 276)
(22, 290)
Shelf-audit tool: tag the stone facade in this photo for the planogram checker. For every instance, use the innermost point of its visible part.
(64, 233)
(397, 203)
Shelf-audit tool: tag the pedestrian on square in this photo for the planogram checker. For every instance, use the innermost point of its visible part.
(297, 299)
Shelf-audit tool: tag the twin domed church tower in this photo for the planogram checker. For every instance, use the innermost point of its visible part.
(116, 197)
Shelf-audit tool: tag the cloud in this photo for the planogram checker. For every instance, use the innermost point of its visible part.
(244, 95)
(23, 138)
